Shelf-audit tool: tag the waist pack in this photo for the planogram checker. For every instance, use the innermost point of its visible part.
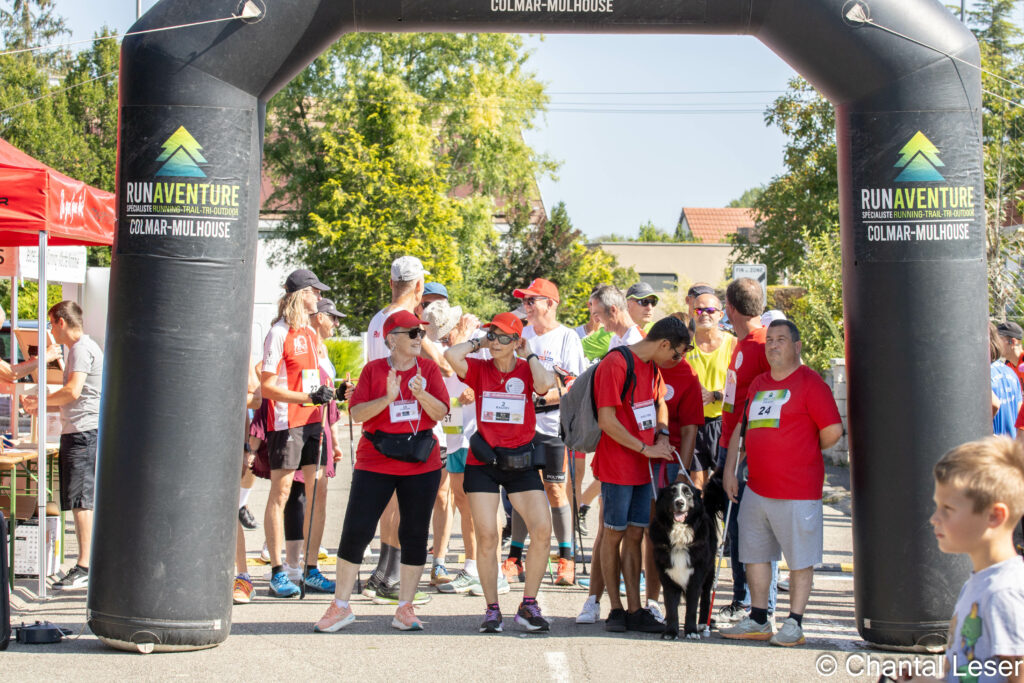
(518, 459)
(414, 448)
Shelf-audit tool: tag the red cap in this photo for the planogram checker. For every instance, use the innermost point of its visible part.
(539, 287)
(401, 318)
(508, 323)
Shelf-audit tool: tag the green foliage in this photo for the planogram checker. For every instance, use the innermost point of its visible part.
(747, 199)
(28, 298)
(649, 232)
(819, 313)
(347, 356)
(804, 200)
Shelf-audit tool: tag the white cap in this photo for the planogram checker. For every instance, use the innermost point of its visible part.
(406, 268)
(768, 317)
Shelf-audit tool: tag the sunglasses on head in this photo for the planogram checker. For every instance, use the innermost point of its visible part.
(502, 338)
(414, 333)
(649, 301)
(710, 310)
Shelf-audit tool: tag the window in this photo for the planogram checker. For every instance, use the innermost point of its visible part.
(661, 282)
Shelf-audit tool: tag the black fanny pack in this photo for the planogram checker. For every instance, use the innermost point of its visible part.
(520, 459)
(414, 448)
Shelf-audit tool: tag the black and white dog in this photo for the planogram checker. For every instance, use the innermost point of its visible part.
(685, 538)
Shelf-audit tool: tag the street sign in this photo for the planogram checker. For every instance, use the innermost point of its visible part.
(755, 271)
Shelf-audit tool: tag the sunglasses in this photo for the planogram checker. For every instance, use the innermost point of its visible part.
(532, 301)
(414, 333)
(678, 354)
(504, 339)
(710, 310)
(649, 301)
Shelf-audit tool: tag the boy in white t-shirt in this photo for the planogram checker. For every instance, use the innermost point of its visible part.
(979, 498)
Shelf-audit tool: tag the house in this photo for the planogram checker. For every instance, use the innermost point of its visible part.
(713, 226)
(665, 266)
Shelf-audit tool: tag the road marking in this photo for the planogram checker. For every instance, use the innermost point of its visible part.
(558, 666)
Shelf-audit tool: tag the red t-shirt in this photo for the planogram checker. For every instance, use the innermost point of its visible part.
(1018, 369)
(1020, 417)
(613, 462)
(748, 361)
(513, 390)
(371, 386)
(682, 396)
(783, 453)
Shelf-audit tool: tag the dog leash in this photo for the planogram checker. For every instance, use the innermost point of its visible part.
(682, 468)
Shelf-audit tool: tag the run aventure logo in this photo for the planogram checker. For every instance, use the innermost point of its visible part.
(182, 156)
(919, 160)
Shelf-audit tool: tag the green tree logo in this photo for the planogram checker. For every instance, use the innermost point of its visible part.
(919, 159)
(182, 156)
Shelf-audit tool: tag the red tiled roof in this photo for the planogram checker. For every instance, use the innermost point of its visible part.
(712, 225)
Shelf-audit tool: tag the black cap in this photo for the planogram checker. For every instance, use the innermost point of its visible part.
(1010, 329)
(327, 306)
(697, 290)
(302, 278)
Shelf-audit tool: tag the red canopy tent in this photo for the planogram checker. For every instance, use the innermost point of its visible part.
(41, 206)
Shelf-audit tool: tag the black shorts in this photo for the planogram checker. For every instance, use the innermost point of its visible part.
(292, 449)
(488, 479)
(77, 464)
(706, 448)
(554, 457)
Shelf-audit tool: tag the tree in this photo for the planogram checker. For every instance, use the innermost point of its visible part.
(819, 312)
(804, 200)
(747, 199)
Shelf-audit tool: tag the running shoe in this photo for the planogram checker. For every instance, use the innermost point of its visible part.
(317, 582)
(321, 553)
(581, 520)
(733, 612)
(282, 587)
(566, 573)
(514, 570)
(371, 587)
(294, 573)
(789, 635)
(264, 557)
(243, 591)
(492, 621)
(405, 619)
(503, 587)
(655, 610)
(247, 519)
(644, 622)
(530, 618)
(388, 595)
(748, 629)
(77, 577)
(591, 611)
(462, 583)
(334, 619)
(439, 575)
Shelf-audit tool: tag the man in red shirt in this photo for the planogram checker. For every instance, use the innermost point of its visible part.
(791, 416)
(633, 431)
(744, 304)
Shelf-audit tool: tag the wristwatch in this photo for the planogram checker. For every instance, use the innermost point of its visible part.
(664, 431)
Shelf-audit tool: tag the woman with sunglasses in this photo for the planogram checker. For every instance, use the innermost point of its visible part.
(398, 399)
(501, 455)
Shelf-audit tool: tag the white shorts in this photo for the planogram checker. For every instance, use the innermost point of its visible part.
(770, 528)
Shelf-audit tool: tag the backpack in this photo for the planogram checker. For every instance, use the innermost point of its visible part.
(579, 428)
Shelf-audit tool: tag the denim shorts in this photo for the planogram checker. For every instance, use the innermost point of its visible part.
(626, 505)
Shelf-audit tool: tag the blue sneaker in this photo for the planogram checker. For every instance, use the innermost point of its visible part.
(282, 587)
(643, 585)
(315, 581)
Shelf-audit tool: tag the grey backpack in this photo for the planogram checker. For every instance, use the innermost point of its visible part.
(579, 428)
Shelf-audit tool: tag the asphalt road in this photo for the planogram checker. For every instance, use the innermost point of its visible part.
(274, 638)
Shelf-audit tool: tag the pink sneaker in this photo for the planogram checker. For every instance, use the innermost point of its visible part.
(334, 619)
(405, 619)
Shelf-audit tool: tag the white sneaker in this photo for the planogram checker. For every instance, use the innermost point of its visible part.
(652, 607)
(503, 586)
(265, 555)
(591, 611)
(294, 573)
(789, 635)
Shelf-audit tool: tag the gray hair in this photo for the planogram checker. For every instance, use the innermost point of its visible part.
(608, 296)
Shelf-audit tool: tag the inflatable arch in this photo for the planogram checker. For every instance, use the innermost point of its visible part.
(903, 75)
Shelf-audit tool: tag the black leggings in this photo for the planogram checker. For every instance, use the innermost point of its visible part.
(370, 494)
(295, 513)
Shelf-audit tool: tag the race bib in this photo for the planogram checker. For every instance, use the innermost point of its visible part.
(766, 408)
(310, 382)
(503, 408)
(404, 411)
(729, 400)
(645, 414)
(452, 422)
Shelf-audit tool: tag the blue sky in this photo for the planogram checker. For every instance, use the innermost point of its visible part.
(643, 125)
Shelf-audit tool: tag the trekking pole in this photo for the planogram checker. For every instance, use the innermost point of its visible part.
(577, 533)
(352, 460)
(311, 511)
(728, 512)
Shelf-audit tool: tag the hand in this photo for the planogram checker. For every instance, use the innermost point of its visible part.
(467, 323)
(731, 486)
(522, 348)
(468, 396)
(392, 385)
(321, 395)
(345, 390)
(418, 385)
(338, 454)
(661, 450)
(30, 404)
(706, 396)
(53, 353)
